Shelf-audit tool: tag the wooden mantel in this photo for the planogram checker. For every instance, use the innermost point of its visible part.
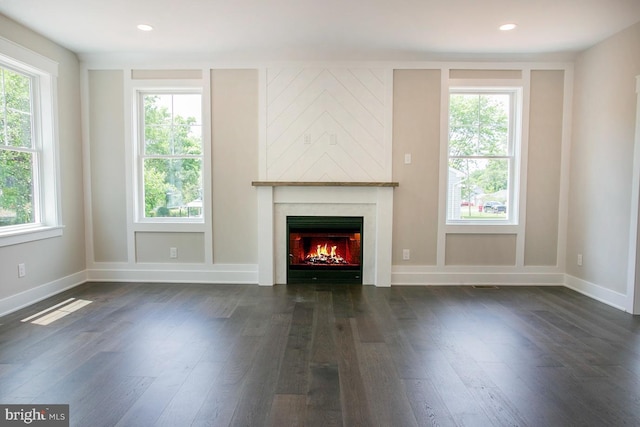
(321, 184)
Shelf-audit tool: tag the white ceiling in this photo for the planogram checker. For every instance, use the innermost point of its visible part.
(324, 29)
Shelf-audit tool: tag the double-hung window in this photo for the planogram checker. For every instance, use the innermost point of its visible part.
(29, 197)
(170, 155)
(483, 155)
(19, 151)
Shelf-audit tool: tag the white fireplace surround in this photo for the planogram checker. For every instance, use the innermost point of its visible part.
(373, 203)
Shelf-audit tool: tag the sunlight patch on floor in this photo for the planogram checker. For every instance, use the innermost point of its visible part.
(61, 310)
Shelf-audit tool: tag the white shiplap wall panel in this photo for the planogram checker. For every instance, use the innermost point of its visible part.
(324, 92)
(343, 114)
(348, 152)
(298, 112)
(379, 73)
(279, 79)
(365, 96)
(372, 80)
(297, 92)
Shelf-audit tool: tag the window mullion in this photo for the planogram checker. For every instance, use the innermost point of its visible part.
(480, 157)
(18, 149)
(171, 156)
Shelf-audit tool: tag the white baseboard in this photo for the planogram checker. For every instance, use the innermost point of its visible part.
(33, 295)
(248, 274)
(430, 276)
(219, 274)
(597, 292)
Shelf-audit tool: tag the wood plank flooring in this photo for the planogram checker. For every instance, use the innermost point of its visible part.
(311, 355)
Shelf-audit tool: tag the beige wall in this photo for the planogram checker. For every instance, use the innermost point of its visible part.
(544, 167)
(48, 261)
(416, 131)
(601, 160)
(484, 74)
(235, 165)
(480, 249)
(165, 74)
(154, 247)
(108, 172)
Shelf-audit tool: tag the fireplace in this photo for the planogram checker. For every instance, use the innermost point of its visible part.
(371, 201)
(324, 249)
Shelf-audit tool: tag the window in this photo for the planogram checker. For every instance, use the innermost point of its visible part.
(170, 161)
(29, 204)
(483, 149)
(19, 156)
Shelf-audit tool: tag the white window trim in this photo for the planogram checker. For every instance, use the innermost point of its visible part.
(169, 224)
(510, 224)
(48, 223)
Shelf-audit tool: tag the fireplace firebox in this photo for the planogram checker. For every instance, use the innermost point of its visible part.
(324, 249)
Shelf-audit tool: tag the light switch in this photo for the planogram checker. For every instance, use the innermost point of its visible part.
(407, 159)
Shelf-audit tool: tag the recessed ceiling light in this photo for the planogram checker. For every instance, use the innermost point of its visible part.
(145, 27)
(507, 27)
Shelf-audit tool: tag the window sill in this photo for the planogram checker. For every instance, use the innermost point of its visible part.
(169, 226)
(484, 228)
(29, 234)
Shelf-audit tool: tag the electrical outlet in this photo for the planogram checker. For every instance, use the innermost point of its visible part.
(173, 252)
(579, 259)
(406, 254)
(307, 138)
(22, 270)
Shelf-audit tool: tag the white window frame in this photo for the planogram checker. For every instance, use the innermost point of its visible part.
(43, 72)
(166, 87)
(514, 153)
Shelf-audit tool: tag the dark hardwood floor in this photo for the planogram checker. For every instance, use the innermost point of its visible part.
(243, 355)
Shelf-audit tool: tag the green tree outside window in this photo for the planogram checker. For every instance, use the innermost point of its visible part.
(172, 155)
(18, 155)
(480, 153)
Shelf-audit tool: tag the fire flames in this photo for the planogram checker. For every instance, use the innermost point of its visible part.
(325, 255)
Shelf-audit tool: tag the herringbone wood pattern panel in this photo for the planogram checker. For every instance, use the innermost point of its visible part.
(326, 125)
